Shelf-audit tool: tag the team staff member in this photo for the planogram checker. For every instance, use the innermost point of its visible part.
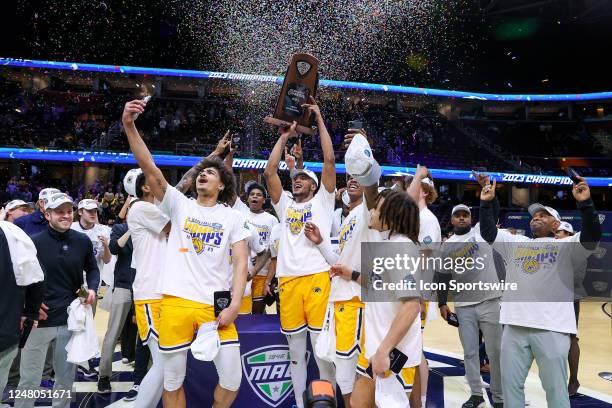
(121, 246)
(13, 210)
(196, 266)
(477, 310)
(33, 224)
(64, 254)
(540, 266)
(22, 288)
(303, 273)
(36, 222)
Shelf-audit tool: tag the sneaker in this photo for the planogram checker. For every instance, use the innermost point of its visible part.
(104, 385)
(87, 372)
(47, 384)
(132, 394)
(475, 401)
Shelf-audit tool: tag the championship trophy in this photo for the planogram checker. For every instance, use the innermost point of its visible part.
(301, 82)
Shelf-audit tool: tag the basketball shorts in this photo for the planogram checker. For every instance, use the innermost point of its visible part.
(303, 302)
(349, 317)
(147, 318)
(180, 320)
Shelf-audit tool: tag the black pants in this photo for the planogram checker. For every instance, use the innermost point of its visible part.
(141, 364)
(128, 338)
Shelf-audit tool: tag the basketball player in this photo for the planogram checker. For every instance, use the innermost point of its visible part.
(197, 266)
(538, 330)
(579, 266)
(477, 309)
(423, 191)
(261, 222)
(391, 321)
(303, 273)
(345, 290)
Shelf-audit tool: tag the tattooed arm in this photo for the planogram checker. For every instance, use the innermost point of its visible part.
(187, 180)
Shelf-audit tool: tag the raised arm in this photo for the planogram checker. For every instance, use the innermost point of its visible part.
(591, 228)
(488, 227)
(273, 181)
(414, 189)
(370, 191)
(187, 180)
(155, 177)
(328, 175)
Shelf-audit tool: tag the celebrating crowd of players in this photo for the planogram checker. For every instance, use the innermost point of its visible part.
(200, 261)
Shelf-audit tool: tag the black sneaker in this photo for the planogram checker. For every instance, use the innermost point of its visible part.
(104, 385)
(87, 372)
(475, 401)
(132, 394)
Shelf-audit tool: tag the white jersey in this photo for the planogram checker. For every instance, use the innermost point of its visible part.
(466, 246)
(197, 258)
(93, 234)
(538, 268)
(274, 240)
(297, 255)
(430, 234)
(337, 220)
(353, 232)
(379, 316)
(146, 222)
(262, 223)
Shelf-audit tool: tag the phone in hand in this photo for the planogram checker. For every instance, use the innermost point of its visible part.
(27, 329)
(398, 360)
(572, 174)
(452, 319)
(355, 124)
(222, 300)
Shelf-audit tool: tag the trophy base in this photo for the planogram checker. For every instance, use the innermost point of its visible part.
(283, 123)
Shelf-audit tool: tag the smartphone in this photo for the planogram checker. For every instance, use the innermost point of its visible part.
(27, 329)
(398, 360)
(355, 124)
(452, 319)
(222, 300)
(573, 174)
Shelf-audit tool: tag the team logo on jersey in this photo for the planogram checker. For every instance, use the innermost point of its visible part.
(268, 372)
(205, 236)
(263, 231)
(532, 259)
(346, 232)
(297, 218)
(427, 240)
(602, 218)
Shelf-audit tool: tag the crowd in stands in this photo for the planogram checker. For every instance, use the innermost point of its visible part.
(53, 119)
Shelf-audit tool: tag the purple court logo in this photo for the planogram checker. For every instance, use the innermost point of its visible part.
(268, 372)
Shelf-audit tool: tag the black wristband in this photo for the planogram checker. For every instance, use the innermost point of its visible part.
(355, 275)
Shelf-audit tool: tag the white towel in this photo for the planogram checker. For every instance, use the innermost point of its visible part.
(83, 343)
(23, 255)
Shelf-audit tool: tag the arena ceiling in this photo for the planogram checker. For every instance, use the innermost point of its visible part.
(505, 46)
